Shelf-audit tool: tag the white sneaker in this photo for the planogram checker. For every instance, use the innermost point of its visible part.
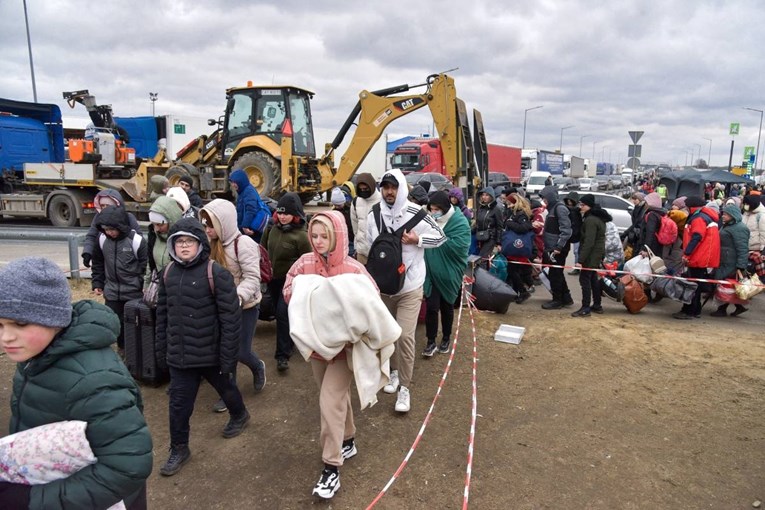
(402, 402)
(327, 485)
(392, 386)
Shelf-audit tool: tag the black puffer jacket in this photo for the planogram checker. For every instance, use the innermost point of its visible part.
(198, 321)
(119, 264)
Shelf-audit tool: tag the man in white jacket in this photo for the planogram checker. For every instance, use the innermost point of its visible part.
(396, 211)
(367, 196)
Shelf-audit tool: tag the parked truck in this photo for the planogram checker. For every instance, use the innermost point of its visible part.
(425, 155)
(536, 160)
(574, 166)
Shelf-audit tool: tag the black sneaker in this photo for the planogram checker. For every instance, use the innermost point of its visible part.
(179, 455)
(523, 296)
(235, 426)
(328, 484)
(282, 365)
(568, 301)
(259, 377)
(349, 449)
(582, 312)
(444, 347)
(552, 305)
(596, 309)
(430, 350)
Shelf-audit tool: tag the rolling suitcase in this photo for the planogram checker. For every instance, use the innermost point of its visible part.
(140, 343)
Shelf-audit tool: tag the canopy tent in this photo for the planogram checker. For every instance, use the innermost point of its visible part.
(723, 177)
(685, 183)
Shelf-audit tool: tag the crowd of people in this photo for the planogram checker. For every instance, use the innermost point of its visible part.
(385, 257)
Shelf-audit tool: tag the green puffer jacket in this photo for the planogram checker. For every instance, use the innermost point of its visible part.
(285, 244)
(734, 245)
(79, 377)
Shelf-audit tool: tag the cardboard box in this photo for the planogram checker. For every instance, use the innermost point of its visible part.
(509, 334)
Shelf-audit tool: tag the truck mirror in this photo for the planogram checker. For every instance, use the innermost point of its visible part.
(211, 122)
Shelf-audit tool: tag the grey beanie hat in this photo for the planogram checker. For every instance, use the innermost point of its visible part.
(34, 290)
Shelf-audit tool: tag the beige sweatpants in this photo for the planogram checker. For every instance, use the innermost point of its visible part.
(334, 380)
(405, 308)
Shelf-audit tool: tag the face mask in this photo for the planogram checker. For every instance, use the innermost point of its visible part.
(365, 193)
(437, 215)
(746, 207)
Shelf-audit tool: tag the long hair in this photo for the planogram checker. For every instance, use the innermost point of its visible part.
(522, 205)
(217, 253)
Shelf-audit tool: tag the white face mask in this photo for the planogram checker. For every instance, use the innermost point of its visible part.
(436, 215)
(746, 207)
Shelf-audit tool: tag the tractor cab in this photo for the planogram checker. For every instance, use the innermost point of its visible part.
(268, 113)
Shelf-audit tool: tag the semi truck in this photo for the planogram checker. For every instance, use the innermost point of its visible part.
(574, 166)
(425, 155)
(536, 160)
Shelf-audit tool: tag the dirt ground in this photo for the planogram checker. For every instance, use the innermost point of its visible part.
(611, 411)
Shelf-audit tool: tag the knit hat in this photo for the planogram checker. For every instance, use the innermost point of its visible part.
(34, 290)
(679, 202)
(290, 203)
(418, 195)
(694, 202)
(156, 217)
(653, 200)
(489, 191)
(440, 199)
(187, 179)
(180, 196)
(753, 201)
(638, 195)
(588, 200)
(338, 197)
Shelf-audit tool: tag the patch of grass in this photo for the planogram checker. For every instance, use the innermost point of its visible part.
(81, 290)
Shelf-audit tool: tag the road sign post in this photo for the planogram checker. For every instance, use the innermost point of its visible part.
(634, 150)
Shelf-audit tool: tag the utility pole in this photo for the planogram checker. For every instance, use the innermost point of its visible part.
(153, 98)
(29, 45)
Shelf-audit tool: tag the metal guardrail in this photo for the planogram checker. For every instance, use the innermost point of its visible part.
(74, 239)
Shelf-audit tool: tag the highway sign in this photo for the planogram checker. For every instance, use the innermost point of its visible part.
(734, 128)
(634, 151)
(635, 135)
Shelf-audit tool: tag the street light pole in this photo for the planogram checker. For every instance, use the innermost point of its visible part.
(593, 149)
(560, 148)
(29, 45)
(580, 143)
(153, 98)
(709, 158)
(525, 112)
(757, 154)
(699, 158)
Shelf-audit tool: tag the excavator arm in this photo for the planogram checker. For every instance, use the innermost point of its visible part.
(376, 110)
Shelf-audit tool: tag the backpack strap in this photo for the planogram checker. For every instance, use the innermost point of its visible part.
(236, 247)
(135, 241)
(378, 218)
(210, 279)
(409, 225)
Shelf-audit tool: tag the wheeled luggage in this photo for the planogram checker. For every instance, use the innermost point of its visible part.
(140, 343)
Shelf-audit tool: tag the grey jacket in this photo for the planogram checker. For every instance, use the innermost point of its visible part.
(557, 230)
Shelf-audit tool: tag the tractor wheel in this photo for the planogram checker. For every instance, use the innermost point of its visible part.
(174, 174)
(62, 211)
(263, 172)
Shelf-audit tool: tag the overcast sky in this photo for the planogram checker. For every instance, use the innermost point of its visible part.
(681, 71)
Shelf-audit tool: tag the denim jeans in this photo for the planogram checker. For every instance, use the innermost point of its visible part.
(184, 385)
(246, 355)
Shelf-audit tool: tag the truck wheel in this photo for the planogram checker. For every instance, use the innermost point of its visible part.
(62, 212)
(174, 174)
(263, 172)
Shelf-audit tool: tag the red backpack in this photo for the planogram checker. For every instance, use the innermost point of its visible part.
(266, 271)
(667, 233)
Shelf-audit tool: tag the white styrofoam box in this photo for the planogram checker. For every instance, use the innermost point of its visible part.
(509, 334)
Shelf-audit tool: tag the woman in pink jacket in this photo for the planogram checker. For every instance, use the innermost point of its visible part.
(328, 235)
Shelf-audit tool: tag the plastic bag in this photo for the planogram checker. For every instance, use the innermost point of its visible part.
(749, 287)
(640, 268)
(491, 293)
(151, 293)
(498, 266)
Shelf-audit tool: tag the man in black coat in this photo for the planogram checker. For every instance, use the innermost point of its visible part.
(198, 321)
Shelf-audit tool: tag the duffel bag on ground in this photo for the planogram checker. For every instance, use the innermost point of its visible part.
(677, 290)
(633, 297)
(491, 293)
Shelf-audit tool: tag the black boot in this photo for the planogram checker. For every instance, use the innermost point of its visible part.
(739, 310)
(235, 426)
(179, 455)
(722, 311)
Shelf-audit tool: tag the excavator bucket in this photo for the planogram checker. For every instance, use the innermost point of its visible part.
(479, 147)
(466, 160)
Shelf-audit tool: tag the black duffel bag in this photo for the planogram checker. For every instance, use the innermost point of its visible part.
(677, 290)
(491, 293)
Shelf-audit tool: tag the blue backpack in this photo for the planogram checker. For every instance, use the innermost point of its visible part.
(517, 245)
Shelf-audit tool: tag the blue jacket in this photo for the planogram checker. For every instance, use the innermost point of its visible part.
(251, 212)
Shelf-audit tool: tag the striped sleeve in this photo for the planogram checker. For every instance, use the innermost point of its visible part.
(430, 234)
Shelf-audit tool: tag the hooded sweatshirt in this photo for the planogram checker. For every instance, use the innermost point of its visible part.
(92, 235)
(119, 264)
(395, 216)
(242, 253)
(360, 209)
(557, 230)
(198, 320)
(457, 193)
(734, 245)
(251, 212)
(158, 255)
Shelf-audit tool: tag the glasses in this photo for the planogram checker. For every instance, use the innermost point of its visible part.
(186, 242)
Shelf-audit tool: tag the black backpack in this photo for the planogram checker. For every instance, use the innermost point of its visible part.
(385, 263)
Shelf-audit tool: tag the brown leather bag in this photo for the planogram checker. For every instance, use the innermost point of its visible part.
(633, 297)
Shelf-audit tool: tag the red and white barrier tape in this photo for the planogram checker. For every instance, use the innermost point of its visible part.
(474, 411)
(427, 416)
(616, 271)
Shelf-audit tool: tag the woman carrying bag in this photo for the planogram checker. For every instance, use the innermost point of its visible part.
(734, 257)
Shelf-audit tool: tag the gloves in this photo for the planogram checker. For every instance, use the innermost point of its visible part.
(86, 259)
(14, 496)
